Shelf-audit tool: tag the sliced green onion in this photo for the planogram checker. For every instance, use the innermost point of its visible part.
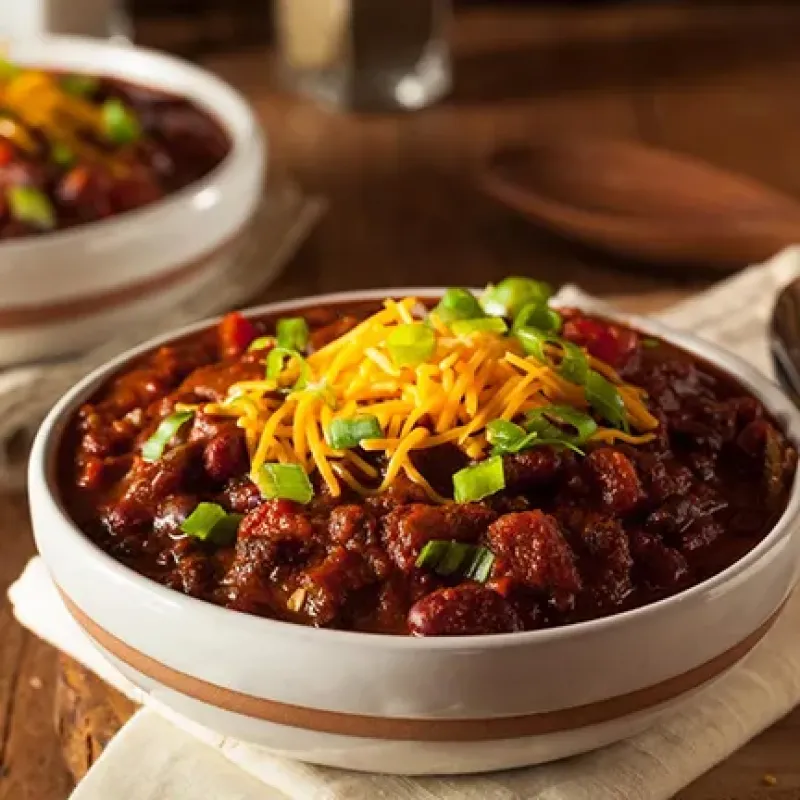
(526, 442)
(287, 481)
(320, 389)
(551, 422)
(508, 438)
(539, 316)
(649, 344)
(79, 85)
(410, 345)
(31, 206)
(276, 363)
(457, 304)
(210, 522)
(511, 294)
(464, 327)
(292, 333)
(225, 530)
(346, 433)
(261, 343)
(605, 399)
(445, 557)
(479, 481)
(120, 124)
(202, 520)
(153, 448)
(481, 567)
(433, 552)
(534, 440)
(504, 435)
(62, 154)
(8, 71)
(573, 364)
(453, 559)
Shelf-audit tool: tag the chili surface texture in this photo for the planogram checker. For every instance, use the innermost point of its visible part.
(571, 536)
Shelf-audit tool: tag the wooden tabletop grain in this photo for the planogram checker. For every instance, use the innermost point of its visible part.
(717, 81)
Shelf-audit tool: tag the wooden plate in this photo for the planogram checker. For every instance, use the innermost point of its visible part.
(643, 202)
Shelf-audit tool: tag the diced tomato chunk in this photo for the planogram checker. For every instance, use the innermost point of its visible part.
(616, 346)
(235, 334)
(6, 153)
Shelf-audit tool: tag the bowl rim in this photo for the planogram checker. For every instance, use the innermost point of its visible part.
(43, 487)
(254, 139)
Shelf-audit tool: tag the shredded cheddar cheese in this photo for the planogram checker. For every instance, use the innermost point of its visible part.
(466, 383)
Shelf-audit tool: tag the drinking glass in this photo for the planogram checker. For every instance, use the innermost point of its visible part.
(365, 55)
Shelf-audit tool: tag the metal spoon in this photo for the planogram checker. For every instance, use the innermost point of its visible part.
(784, 339)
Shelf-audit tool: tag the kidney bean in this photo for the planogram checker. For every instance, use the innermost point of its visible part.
(225, 455)
(241, 495)
(172, 512)
(460, 611)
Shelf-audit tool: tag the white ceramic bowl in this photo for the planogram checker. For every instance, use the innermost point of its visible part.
(406, 705)
(67, 290)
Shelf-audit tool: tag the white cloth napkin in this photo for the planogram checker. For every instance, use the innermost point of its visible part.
(161, 756)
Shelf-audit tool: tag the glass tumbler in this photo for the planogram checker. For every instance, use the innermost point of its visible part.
(365, 55)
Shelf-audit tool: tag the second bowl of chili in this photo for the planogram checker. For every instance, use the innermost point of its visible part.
(125, 177)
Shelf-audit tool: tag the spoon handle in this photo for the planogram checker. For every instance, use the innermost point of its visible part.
(785, 340)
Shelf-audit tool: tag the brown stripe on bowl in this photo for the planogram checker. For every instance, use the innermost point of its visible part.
(20, 317)
(410, 729)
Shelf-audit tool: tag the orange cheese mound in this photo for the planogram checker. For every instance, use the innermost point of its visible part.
(466, 383)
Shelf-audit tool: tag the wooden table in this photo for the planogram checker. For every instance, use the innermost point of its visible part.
(718, 82)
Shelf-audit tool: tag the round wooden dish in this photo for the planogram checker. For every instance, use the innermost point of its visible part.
(643, 202)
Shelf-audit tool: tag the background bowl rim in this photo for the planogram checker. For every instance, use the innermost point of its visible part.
(43, 487)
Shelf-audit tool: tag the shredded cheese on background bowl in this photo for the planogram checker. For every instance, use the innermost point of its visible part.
(406, 379)
(59, 109)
